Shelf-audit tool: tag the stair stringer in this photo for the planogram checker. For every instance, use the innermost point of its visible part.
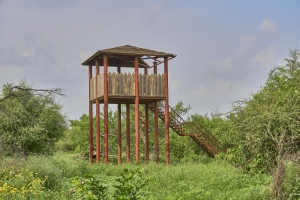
(206, 141)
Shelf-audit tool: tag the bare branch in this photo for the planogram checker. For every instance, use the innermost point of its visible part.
(54, 91)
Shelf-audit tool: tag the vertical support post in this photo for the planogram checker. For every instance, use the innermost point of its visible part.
(146, 133)
(119, 135)
(137, 101)
(105, 64)
(119, 129)
(155, 66)
(167, 120)
(156, 148)
(97, 116)
(127, 133)
(146, 128)
(90, 118)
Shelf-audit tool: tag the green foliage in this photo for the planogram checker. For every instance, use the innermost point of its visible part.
(17, 182)
(289, 187)
(29, 122)
(63, 178)
(182, 109)
(215, 180)
(129, 185)
(76, 138)
(184, 149)
(267, 124)
(217, 124)
(89, 187)
(126, 186)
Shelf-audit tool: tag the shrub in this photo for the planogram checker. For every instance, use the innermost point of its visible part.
(288, 186)
(17, 182)
(126, 186)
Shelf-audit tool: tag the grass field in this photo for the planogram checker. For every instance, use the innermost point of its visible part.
(56, 177)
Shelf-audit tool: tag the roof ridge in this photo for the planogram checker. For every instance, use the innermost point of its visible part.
(129, 50)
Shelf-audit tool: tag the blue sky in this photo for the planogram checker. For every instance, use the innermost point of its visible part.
(224, 48)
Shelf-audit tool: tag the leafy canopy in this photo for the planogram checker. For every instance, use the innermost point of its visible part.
(30, 120)
(267, 124)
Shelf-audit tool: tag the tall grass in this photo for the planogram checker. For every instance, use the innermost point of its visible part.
(212, 180)
(215, 180)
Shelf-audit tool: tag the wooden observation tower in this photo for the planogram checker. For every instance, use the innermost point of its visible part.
(141, 87)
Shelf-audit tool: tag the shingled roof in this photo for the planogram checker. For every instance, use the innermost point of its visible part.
(124, 56)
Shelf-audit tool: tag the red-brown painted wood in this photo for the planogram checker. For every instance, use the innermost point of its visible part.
(146, 127)
(127, 133)
(119, 130)
(137, 112)
(146, 133)
(155, 66)
(119, 136)
(156, 148)
(97, 117)
(105, 65)
(167, 121)
(90, 119)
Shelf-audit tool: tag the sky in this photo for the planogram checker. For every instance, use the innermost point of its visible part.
(224, 48)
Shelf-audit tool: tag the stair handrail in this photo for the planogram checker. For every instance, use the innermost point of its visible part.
(220, 145)
(211, 139)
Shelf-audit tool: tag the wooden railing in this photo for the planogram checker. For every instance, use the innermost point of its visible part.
(123, 85)
(196, 131)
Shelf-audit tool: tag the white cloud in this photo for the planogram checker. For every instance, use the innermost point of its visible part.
(212, 68)
(218, 94)
(267, 25)
(28, 53)
(265, 58)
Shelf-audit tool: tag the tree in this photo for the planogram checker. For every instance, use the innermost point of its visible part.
(267, 125)
(30, 120)
(76, 138)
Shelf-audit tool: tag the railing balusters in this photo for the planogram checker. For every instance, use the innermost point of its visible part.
(200, 130)
(196, 131)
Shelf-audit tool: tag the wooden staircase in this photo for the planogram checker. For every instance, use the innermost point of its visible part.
(196, 131)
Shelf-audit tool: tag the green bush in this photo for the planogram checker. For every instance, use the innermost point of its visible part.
(126, 186)
(88, 187)
(291, 182)
(62, 178)
(19, 183)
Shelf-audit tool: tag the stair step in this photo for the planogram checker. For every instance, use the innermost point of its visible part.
(211, 150)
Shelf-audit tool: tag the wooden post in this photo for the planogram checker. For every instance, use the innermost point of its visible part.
(137, 136)
(146, 128)
(97, 116)
(156, 148)
(90, 118)
(155, 66)
(119, 129)
(105, 64)
(167, 121)
(127, 133)
(146, 134)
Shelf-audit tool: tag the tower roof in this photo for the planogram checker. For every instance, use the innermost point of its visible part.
(124, 56)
